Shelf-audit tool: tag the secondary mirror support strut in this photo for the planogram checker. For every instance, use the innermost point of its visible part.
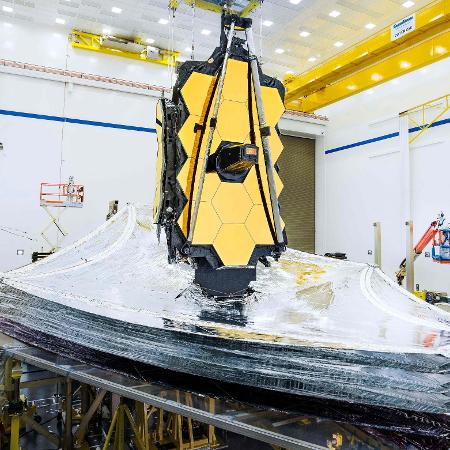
(264, 136)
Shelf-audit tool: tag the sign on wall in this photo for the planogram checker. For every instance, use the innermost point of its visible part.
(403, 26)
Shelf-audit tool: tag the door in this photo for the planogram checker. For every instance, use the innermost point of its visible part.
(297, 200)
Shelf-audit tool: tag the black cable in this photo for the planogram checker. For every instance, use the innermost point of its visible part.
(16, 234)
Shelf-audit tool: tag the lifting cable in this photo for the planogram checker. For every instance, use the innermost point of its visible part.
(193, 29)
(63, 127)
(64, 116)
(172, 59)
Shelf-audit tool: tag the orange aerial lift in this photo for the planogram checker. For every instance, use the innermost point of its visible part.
(440, 237)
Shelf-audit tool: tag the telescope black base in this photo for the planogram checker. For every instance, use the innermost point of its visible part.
(225, 281)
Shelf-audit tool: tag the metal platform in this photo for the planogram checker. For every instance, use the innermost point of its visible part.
(298, 424)
(266, 426)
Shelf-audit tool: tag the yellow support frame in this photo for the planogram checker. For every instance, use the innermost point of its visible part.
(15, 433)
(373, 61)
(93, 42)
(117, 428)
(208, 6)
(442, 104)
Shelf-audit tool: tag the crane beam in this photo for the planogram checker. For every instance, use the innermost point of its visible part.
(373, 61)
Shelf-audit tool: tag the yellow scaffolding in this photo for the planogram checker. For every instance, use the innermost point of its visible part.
(96, 43)
(373, 61)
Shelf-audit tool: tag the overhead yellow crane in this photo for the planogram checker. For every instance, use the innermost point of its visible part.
(119, 46)
(242, 8)
(136, 49)
(373, 61)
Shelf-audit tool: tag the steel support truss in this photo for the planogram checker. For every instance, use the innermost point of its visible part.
(183, 420)
(422, 117)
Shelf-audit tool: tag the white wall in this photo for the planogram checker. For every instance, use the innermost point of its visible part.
(362, 185)
(111, 163)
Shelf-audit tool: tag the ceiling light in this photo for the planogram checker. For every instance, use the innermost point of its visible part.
(60, 21)
(334, 13)
(408, 4)
(295, 2)
(7, 9)
(405, 64)
(370, 26)
(7, 24)
(289, 72)
(150, 41)
(376, 77)
(106, 31)
(206, 32)
(279, 51)
(116, 10)
(338, 44)
(312, 59)
(188, 49)
(163, 21)
(304, 33)
(440, 50)
(351, 87)
(267, 23)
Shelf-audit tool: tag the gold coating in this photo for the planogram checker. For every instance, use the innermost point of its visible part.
(232, 203)
(234, 244)
(231, 216)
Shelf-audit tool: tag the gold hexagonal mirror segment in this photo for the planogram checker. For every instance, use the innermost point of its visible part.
(232, 203)
(234, 245)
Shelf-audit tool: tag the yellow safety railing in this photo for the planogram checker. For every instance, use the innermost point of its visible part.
(438, 107)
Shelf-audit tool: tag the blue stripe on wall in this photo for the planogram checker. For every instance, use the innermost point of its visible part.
(92, 123)
(119, 126)
(383, 137)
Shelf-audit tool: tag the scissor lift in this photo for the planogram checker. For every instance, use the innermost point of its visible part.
(62, 196)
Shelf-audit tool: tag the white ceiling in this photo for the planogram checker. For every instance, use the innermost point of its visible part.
(140, 18)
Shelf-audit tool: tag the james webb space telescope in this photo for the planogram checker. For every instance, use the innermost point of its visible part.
(218, 144)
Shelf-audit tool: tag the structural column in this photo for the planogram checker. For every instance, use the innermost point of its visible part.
(68, 444)
(407, 200)
(377, 244)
